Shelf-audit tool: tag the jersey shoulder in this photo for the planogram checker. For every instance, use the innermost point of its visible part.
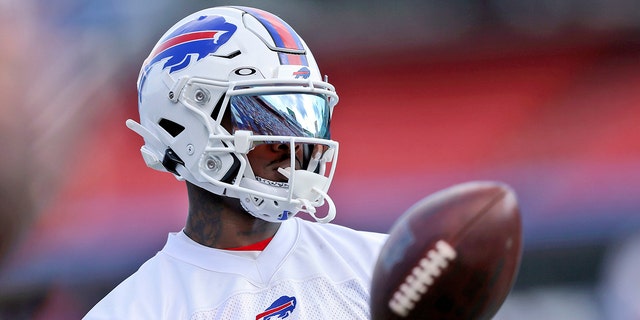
(132, 298)
(358, 249)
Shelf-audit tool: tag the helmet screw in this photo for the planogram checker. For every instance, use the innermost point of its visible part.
(213, 163)
(190, 149)
(170, 94)
(201, 96)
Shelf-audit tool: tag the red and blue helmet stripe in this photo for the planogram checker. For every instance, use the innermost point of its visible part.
(284, 37)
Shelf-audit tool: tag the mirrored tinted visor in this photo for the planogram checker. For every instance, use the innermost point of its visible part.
(282, 114)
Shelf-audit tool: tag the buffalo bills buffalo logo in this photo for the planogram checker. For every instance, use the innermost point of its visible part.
(279, 309)
(193, 40)
(303, 73)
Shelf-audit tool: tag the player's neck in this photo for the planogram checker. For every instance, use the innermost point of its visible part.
(220, 222)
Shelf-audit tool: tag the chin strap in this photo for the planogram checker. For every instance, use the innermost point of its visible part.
(311, 210)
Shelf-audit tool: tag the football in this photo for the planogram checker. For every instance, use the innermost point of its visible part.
(453, 255)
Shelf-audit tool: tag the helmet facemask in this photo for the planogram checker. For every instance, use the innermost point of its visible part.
(295, 114)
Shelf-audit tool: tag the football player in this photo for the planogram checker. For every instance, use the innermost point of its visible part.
(232, 102)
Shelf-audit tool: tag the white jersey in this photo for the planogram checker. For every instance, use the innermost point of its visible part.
(308, 271)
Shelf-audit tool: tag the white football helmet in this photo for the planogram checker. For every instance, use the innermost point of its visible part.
(250, 67)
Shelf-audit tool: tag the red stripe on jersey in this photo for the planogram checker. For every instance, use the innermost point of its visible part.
(258, 246)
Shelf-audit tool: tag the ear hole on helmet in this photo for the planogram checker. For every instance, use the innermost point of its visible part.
(171, 127)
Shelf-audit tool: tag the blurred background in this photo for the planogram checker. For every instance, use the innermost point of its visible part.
(543, 95)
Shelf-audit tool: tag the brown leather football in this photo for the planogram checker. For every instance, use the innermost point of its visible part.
(453, 255)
